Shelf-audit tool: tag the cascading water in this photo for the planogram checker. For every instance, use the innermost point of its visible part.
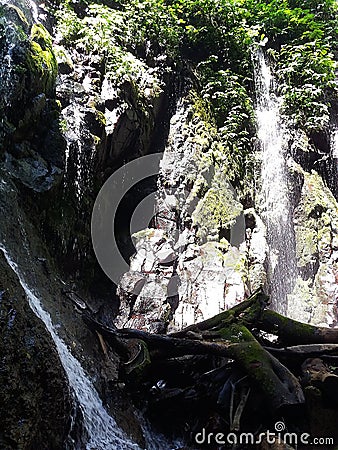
(275, 204)
(6, 72)
(333, 171)
(9, 43)
(103, 432)
(100, 430)
(79, 153)
(334, 142)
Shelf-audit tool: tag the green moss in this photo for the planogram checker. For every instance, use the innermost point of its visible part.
(100, 117)
(306, 245)
(41, 60)
(19, 12)
(236, 333)
(315, 194)
(217, 209)
(40, 35)
(254, 360)
(201, 108)
(63, 125)
(289, 330)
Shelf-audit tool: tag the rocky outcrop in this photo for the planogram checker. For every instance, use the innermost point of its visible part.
(316, 226)
(184, 269)
(189, 267)
(106, 119)
(30, 140)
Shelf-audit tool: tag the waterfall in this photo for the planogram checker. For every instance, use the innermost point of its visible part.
(79, 152)
(275, 204)
(334, 141)
(333, 165)
(6, 68)
(102, 430)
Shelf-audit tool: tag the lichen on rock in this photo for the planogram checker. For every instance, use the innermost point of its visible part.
(41, 60)
(217, 209)
(316, 215)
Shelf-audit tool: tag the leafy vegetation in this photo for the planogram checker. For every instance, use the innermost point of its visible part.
(302, 35)
(105, 31)
(216, 39)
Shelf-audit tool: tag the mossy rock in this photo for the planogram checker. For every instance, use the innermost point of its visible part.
(64, 59)
(218, 208)
(316, 216)
(13, 9)
(316, 195)
(306, 245)
(41, 60)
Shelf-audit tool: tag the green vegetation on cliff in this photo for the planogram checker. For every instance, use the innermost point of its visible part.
(216, 41)
(41, 60)
(301, 36)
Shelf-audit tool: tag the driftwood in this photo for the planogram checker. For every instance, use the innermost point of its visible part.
(233, 339)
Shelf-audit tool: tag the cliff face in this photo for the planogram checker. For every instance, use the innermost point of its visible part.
(251, 140)
(32, 378)
(42, 333)
(36, 405)
(241, 99)
(31, 143)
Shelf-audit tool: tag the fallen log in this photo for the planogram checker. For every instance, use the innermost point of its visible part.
(276, 382)
(160, 346)
(292, 332)
(306, 350)
(228, 347)
(253, 313)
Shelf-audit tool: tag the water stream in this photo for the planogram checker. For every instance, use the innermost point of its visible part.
(275, 202)
(102, 430)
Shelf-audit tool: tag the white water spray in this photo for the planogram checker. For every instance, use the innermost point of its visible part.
(334, 142)
(103, 432)
(275, 204)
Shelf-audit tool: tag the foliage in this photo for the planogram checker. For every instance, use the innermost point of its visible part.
(218, 38)
(303, 36)
(307, 74)
(105, 31)
(234, 116)
(153, 21)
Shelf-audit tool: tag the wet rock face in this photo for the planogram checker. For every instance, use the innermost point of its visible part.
(105, 121)
(316, 226)
(130, 121)
(184, 270)
(39, 377)
(35, 400)
(187, 267)
(30, 141)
